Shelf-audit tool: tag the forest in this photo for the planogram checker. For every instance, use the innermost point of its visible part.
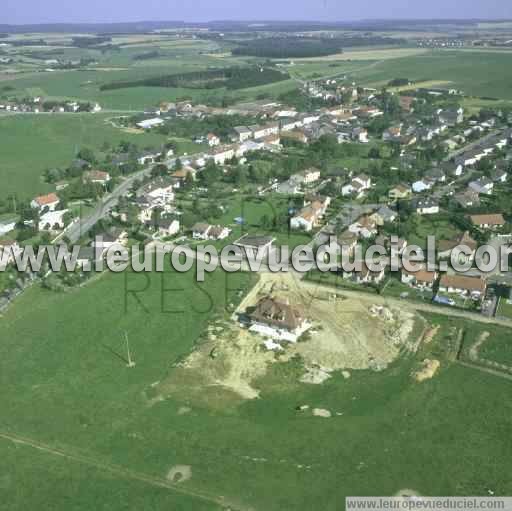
(232, 78)
(306, 47)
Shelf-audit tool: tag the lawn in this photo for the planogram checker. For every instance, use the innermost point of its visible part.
(254, 211)
(396, 289)
(29, 144)
(64, 385)
(498, 348)
(419, 228)
(505, 309)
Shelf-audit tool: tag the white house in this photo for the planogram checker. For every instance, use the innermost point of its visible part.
(168, 226)
(278, 320)
(42, 202)
(360, 135)
(364, 180)
(203, 231)
(241, 133)
(309, 176)
(463, 285)
(148, 157)
(6, 228)
(150, 123)
(365, 227)
(422, 279)
(96, 176)
(221, 155)
(422, 185)
(482, 186)
(290, 124)
(491, 221)
(265, 131)
(309, 217)
(52, 221)
(213, 140)
(159, 189)
(357, 186)
(426, 206)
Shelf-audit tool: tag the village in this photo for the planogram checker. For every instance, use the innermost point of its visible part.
(428, 164)
(255, 256)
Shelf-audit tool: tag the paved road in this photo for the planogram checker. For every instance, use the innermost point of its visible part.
(346, 216)
(474, 144)
(83, 225)
(414, 306)
(368, 297)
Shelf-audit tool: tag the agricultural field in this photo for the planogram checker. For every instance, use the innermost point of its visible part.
(477, 74)
(29, 144)
(136, 429)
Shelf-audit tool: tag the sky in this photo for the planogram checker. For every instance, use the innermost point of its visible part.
(84, 11)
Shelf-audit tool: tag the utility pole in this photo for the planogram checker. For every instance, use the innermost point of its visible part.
(131, 363)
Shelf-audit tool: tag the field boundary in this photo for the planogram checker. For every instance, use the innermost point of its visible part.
(117, 470)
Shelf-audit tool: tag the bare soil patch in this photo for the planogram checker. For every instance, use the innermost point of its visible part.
(428, 370)
(179, 474)
(347, 334)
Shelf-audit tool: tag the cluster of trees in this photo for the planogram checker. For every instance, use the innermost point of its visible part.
(88, 42)
(306, 47)
(288, 47)
(302, 102)
(28, 42)
(221, 125)
(231, 78)
(46, 55)
(147, 56)
(399, 82)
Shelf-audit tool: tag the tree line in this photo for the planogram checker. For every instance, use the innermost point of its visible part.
(306, 47)
(232, 78)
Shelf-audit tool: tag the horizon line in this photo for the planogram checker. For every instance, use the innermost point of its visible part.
(262, 20)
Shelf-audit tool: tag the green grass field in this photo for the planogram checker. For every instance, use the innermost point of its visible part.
(28, 475)
(435, 225)
(29, 144)
(477, 74)
(63, 385)
(63, 376)
(505, 309)
(498, 348)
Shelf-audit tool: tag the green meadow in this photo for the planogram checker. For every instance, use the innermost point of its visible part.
(29, 144)
(476, 73)
(65, 384)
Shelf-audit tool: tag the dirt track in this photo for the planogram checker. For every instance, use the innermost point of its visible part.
(118, 470)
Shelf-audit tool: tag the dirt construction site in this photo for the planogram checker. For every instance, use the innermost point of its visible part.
(346, 334)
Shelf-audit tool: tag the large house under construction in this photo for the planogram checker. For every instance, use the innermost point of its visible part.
(278, 320)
